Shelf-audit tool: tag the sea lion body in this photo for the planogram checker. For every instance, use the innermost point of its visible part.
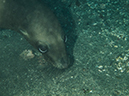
(39, 26)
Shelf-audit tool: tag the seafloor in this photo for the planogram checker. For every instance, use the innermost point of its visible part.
(98, 39)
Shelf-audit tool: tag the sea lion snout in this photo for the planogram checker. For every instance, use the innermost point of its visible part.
(62, 63)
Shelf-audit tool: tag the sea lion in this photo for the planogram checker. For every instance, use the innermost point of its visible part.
(39, 26)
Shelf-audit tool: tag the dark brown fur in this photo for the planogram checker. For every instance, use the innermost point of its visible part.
(39, 26)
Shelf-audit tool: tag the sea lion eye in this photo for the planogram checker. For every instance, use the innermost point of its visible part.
(42, 49)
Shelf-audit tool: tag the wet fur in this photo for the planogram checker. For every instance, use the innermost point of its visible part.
(39, 26)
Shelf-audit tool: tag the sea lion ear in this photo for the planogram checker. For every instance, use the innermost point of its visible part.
(23, 32)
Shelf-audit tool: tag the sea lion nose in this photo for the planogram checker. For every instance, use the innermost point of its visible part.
(64, 62)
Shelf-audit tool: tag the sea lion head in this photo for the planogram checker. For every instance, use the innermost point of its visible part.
(54, 52)
(50, 42)
(39, 26)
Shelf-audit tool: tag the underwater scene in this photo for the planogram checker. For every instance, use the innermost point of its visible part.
(64, 47)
